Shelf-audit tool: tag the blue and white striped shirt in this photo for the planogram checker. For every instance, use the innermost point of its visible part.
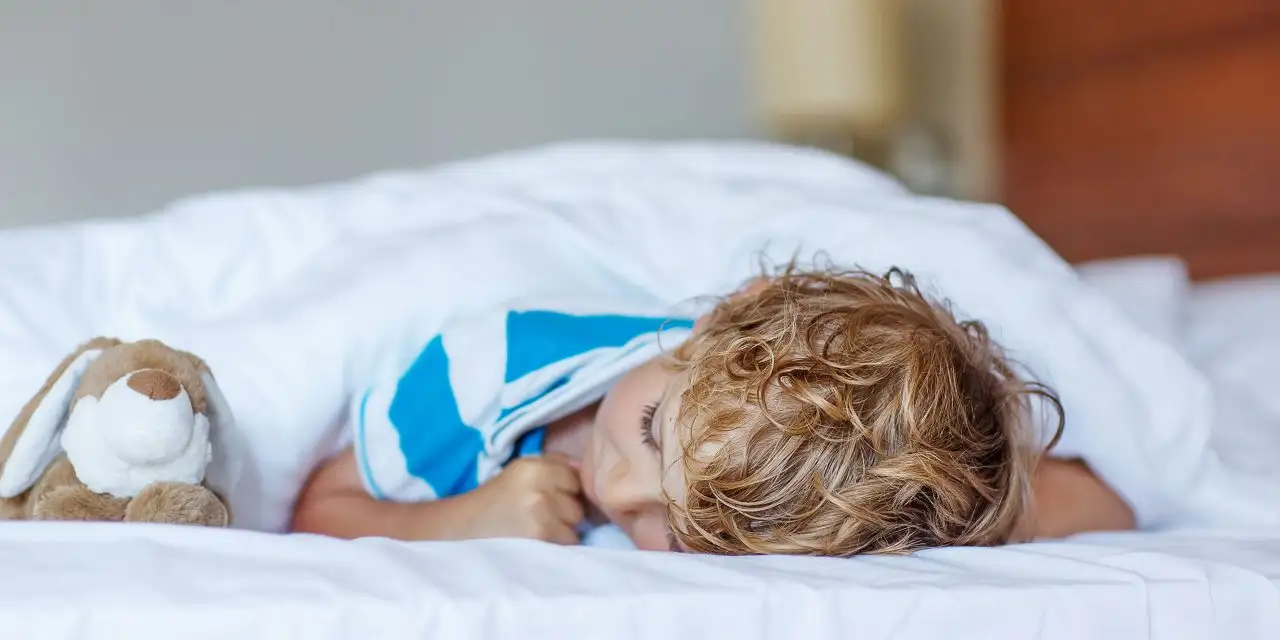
(479, 393)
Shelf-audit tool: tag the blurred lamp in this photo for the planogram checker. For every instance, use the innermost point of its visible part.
(829, 72)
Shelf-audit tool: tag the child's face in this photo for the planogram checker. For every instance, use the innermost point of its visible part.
(632, 455)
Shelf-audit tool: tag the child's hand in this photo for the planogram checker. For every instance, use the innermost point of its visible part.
(534, 497)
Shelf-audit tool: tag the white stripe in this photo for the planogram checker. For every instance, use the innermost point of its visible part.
(387, 468)
(588, 384)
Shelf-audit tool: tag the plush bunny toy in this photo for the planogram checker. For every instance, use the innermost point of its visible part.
(119, 432)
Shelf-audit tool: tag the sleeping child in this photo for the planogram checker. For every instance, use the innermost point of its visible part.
(818, 412)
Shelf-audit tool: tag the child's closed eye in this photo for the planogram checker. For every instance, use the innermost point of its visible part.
(646, 428)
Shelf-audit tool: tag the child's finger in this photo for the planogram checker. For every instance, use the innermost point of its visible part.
(560, 476)
(556, 458)
(569, 508)
(565, 534)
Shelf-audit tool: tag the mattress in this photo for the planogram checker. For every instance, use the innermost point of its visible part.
(105, 581)
(135, 582)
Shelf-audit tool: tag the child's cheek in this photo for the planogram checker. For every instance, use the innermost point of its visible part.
(648, 533)
(594, 458)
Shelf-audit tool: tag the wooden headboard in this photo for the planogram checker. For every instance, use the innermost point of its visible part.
(1145, 126)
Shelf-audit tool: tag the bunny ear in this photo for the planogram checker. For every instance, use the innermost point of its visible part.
(31, 442)
(228, 474)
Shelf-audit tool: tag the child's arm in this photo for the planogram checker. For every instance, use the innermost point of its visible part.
(533, 497)
(1070, 499)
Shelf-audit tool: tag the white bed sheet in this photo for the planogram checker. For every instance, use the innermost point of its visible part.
(134, 582)
(109, 581)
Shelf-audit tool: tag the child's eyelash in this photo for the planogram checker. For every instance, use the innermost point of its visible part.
(646, 427)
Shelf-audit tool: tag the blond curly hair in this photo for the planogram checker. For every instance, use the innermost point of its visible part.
(841, 413)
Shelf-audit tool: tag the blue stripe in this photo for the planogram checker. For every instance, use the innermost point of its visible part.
(506, 411)
(366, 470)
(438, 446)
(531, 443)
(536, 339)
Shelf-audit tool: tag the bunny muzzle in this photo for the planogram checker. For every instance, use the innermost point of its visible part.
(141, 430)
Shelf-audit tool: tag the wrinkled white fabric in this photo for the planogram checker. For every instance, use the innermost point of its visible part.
(296, 297)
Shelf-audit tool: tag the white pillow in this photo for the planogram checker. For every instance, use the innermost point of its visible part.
(1151, 290)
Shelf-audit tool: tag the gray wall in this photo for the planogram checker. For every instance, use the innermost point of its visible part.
(116, 107)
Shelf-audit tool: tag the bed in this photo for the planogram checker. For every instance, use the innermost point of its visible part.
(99, 581)
(87, 581)
(105, 581)
(197, 274)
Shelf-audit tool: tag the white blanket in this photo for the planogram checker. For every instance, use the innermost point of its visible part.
(297, 297)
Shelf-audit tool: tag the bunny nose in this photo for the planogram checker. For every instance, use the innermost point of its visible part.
(146, 417)
(155, 384)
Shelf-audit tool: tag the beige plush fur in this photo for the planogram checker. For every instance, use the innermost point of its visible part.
(59, 495)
